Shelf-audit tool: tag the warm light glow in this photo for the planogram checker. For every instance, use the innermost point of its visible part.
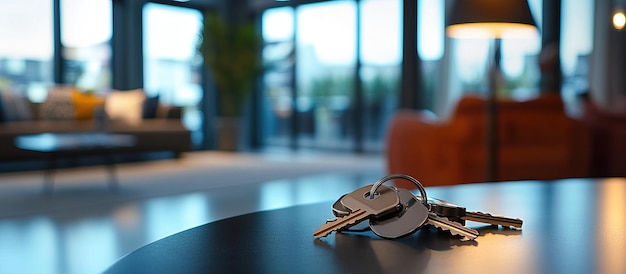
(491, 30)
(611, 199)
(619, 20)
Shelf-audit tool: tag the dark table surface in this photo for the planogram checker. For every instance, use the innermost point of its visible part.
(570, 226)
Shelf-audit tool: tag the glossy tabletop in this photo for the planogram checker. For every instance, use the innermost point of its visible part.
(68, 142)
(570, 226)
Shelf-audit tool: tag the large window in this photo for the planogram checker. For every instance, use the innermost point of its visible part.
(85, 36)
(431, 29)
(172, 64)
(312, 106)
(576, 45)
(278, 57)
(26, 49)
(430, 47)
(310, 93)
(26, 55)
(325, 58)
(381, 56)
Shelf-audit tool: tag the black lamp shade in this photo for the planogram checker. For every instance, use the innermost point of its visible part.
(491, 19)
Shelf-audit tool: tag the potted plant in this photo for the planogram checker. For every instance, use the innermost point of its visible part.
(231, 51)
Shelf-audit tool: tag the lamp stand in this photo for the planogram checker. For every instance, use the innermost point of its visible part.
(492, 115)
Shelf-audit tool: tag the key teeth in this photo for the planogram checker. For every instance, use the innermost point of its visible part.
(495, 216)
(509, 222)
(466, 237)
(342, 222)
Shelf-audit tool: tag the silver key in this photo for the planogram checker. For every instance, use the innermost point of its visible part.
(487, 218)
(447, 209)
(397, 227)
(362, 205)
(339, 210)
(410, 218)
(454, 228)
(460, 214)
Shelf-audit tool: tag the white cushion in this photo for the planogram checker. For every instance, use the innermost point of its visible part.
(125, 105)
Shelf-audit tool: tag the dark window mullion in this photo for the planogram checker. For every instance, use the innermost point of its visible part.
(58, 64)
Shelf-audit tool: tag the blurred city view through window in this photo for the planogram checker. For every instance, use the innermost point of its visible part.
(86, 28)
(311, 56)
(26, 51)
(172, 64)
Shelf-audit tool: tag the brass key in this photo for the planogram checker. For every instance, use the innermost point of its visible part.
(362, 205)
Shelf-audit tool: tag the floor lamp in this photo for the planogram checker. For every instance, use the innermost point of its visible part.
(493, 19)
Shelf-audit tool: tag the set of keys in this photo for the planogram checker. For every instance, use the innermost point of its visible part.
(394, 212)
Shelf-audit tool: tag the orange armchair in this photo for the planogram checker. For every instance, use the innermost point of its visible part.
(537, 140)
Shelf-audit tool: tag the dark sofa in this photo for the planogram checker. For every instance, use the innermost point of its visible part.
(160, 131)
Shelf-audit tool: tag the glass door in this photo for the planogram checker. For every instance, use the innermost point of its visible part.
(326, 58)
(86, 30)
(310, 98)
(381, 56)
(278, 89)
(172, 64)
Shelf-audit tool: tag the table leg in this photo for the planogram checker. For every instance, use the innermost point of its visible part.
(48, 177)
(113, 182)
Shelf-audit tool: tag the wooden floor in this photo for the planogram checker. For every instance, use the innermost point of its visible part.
(83, 227)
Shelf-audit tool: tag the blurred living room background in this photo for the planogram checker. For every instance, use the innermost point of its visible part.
(354, 88)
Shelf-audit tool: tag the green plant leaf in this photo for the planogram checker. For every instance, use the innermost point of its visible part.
(232, 54)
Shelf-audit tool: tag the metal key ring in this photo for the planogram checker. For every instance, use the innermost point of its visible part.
(417, 183)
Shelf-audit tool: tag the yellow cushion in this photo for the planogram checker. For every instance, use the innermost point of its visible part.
(85, 104)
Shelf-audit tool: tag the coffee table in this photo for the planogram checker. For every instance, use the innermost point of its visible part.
(64, 145)
(570, 226)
